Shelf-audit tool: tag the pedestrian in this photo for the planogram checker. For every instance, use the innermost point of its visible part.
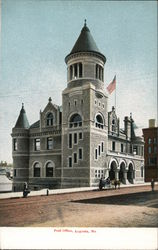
(100, 184)
(115, 183)
(152, 184)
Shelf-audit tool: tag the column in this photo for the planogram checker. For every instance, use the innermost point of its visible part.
(124, 176)
(117, 174)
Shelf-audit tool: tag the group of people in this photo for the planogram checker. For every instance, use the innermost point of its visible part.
(107, 182)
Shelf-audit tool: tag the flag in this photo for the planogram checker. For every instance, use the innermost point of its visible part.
(112, 86)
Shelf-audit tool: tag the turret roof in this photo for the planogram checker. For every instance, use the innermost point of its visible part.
(22, 121)
(85, 43)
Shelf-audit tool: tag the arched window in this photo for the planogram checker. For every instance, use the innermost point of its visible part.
(113, 125)
(36, 170)
(75, 121)
(99, 121)
(80, 69)
(49, 169)
(49, 119)
(71, 72)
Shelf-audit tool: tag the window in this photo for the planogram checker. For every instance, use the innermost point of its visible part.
(82, 102)
(70, 162)
(122, 148)
(155, 140)
(152, 160)
(75, 121)
(76, 71)
(75, 157)
(113, 125)
(102, 147)
(80, 136)
(149, 140)
(15, 144)
(135, 150)
(103, 106)
(113, 145)
(155, 149)
(142, 171)
(99, 104)
(37, 170)
(69, 104)
(75, 102)
(99, 121)
(70, 140)
(15, 173)
(49, 119)
(49, 169)
(96, 154)
(99, 150)
(99, 72)
(75, 138)
(149, 150)
(49, 143)
(80, 154)
(71, 72)
(37, 144)
(80, 69)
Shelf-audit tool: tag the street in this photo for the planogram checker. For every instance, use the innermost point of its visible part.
(124, 207)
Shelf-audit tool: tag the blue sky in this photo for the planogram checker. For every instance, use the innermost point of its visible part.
(36, 35)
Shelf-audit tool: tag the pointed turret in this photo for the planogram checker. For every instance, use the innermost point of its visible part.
(22, 121)
(85, 43)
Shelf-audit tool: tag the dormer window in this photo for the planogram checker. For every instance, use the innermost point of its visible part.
(75, 71)
(99, 121)
(49, 119)
(113, 125)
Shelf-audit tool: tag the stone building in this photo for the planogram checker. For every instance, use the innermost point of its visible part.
(77, 144)
(151, 151)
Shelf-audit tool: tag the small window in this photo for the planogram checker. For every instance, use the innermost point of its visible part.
(135, 150)
(149, 150)
(99, 150)
(15, 144)
(95, 102)
(75, 138)
(75, 103)
(49, 143)
(75, 157)
(15, 173)
(155, 140)
(96, 154)
(80, 136)
(80, 155)
(149, 140)
(37, 144)
(155, 149)
(99, 104)
(69, 104)
(113, 145)
(70, 162)
(121, 147)
(103, 106)
(70, 140)
(102, 147)
(82, 102)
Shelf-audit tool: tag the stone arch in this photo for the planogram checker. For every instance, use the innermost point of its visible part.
(122, 171)
(36, 169)
(113, 169)
(49, 168)
(99, 120)
(50, 118)
(75, 120)
(131, 172)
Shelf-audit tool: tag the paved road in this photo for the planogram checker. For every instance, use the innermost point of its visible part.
(126, 207)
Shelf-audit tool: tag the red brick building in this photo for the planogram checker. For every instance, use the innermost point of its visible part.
(151, 151)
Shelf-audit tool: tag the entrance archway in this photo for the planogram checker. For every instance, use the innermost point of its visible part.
(130, 173)
(122, 173)
(112, 171)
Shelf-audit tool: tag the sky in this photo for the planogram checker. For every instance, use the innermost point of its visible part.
(36, 36)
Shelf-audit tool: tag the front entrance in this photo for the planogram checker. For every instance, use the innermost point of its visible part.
(130, 173)
(112, 170)
(122, 173)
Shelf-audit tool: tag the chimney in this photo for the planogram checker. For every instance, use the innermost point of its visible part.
(151, 123)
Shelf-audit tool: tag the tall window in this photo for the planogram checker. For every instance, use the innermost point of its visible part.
(75, 121)
(102, 147)
(15, 173)
(80, 136)
(75, 157)
(149, 150)
(15, 145)
(37, 144)
(113, 145)
(75, 138)
(80, 155)
(49, 119)
(142, 171)
(49, 169)
(113, 125)
(70, 162)
(99, 121)
(99, 150)
(121, 147)
(36, 170)
(99, 72)
(76, 71)
(96, 154)
(70, 140)
(49, 143)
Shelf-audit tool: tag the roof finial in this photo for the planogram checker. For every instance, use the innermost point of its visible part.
(130, 115)
(22, 105)
(85, 22)
(50, 99)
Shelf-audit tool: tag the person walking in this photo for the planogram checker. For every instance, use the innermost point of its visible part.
(152, 184)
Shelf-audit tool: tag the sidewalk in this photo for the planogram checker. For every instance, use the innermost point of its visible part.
(62, 191)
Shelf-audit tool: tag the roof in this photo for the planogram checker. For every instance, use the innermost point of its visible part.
(85, 43)
(22, 121)
(35, 124)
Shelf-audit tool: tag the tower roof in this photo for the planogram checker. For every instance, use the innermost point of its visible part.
(22, 121)
(85, 43)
